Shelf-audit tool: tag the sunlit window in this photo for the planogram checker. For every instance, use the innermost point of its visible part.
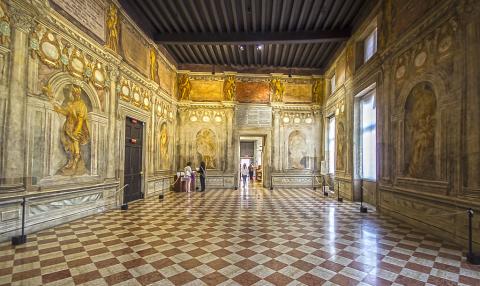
(370, 45)
(368, 137)
(332, 84)
(331, 145)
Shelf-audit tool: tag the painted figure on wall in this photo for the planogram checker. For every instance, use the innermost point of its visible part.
(75, 131)
(317, 91)
(164, 146)
(297, 150)
(153, 64)
(340, 147)
(184, 87)
(278, 89)
(112, 26)
(420, 109)
(207, 147)
(229, 88)
(4, 25)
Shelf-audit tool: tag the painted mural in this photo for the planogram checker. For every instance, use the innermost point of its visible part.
(298, 93)
(253, 92)
(206, 142)
(297, 150)
(203, 90)
(420, 110)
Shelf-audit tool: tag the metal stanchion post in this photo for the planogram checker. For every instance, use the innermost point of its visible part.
(325, 193)
(339, 199)
(471, 257)
(362, 208)
(21, 239)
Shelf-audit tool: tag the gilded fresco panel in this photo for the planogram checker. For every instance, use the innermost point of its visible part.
(298, 93)
(203, 90)
(253, 92)
(167, 77)
(134, 50)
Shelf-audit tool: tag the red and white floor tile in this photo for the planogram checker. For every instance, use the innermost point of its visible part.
(227, 237)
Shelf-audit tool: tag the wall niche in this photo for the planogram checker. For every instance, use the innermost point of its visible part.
(419, 132)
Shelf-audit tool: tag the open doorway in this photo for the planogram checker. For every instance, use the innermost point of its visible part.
(251, 156)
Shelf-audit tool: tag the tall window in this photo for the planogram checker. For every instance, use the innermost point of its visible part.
(370, 45)
(368, 127)
(332, 84)
(331, 145)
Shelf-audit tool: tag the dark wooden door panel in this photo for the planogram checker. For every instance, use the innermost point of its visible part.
(133, 160)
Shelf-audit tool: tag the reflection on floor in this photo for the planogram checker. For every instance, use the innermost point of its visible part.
(262, 237)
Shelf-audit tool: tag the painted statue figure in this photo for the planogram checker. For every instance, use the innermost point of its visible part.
(184, 87)
(153, 64)
(4, 25)
(207, 148)
(112, 25)
(229, 88)
(75, 131)
(317, 91)
(278, 89)
(164, 142)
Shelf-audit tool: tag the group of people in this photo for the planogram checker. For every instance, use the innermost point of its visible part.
(189, 176)
(247, 172)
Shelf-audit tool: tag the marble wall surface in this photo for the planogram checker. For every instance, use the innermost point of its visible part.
(426, 88)
(64, 97)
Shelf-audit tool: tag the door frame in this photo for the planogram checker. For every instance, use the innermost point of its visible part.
(267, 151)
(125, 111)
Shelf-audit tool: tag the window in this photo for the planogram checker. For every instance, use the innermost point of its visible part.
(331, 144)
(332, 84)
(368, 137)
(370, 45)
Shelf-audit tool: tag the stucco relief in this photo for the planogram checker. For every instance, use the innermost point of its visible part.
(206, 142)
(420, 122)
(297, 150)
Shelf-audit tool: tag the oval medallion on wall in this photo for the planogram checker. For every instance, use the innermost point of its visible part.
(125, 90)
(445, 44)
(50, 51)
(400, 73)
(420, 59)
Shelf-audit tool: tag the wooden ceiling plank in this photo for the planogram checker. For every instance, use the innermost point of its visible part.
(263, 13)
(206, 15)
(199, 53)
(225, 16)
(254, 38)
(274, 16)
(161, 9)
(313, 14)
(244, 17)
(235, 15)
(306, 5)
(216, 16)
(332, 14)
(321, 15)
(195, 13)
(341, 13)
(187, 16)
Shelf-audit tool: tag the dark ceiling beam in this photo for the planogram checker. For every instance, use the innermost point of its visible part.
(264, 16)
(274, 15)
(244, 17)
(332, 13)
(294, 15)
(253, 38)
(341, 13)
(150, 6)
(252, 69)
(254, 15)
(216, 15)
(321, 14)
(305, 53)
(303, 12)
(283, 14)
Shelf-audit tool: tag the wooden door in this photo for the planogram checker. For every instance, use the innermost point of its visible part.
(133, 160)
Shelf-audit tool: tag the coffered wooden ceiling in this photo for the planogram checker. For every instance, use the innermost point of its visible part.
(246, 35)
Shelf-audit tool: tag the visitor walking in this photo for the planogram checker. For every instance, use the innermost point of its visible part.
(244, 174)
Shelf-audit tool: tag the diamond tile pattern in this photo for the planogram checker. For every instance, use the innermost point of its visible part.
(227, 237)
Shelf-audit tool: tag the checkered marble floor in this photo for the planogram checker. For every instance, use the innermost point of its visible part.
(227, 237)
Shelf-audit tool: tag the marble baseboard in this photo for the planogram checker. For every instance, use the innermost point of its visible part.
(46, 210)
(296, 181)
(447, 220)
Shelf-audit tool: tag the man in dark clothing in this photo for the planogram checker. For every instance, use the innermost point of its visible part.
(203, 175)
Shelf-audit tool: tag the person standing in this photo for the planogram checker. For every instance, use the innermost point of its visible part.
(250, 172)
(188, 176)
(203, 174)
(244, 174)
